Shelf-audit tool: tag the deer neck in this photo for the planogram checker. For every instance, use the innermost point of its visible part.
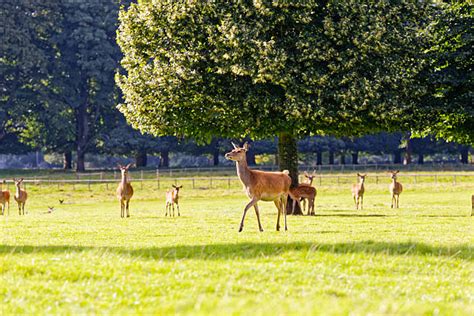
(123, 182)
(394, 181)
(243, 171)
(17, 190)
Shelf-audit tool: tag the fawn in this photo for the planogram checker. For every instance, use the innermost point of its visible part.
(20, 196)
(124, 191)
(395, 189)
(358, 191)
(172, 198)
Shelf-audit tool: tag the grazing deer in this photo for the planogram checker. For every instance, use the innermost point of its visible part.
(304, 191)
(261, 185)
(310, 183)
(358, 191)
(395, 189)
(20, 196)
(5, 199)
(124, 191)
(172, 198)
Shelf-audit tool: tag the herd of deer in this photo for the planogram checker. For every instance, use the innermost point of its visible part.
(259, 186)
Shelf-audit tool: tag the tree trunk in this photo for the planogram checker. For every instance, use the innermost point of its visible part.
(319, 158)
(141, 158)
(288, 160)
(80, 166)
(215, 157)
(465, 155)
(355, 158)
(408, 153)
(165, 158)
(421, 159)
(67, 160)
(343, 159)
(331, 157)
(397, 157)
(82, 136)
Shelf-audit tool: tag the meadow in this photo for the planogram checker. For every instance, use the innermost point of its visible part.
(83, 258)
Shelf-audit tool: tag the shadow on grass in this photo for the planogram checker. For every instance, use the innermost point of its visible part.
(257, 250)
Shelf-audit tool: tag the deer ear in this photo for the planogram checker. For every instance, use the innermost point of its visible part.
(306, 174)
(180, 186)
(235, 146)
(21, 180)
(358, 174)
(128, 166)
(173, 186)
(246, 146)
(397, 171)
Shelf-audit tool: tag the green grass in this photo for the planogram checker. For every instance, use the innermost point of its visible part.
(83, 258)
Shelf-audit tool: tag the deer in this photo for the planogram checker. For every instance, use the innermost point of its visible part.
(20, 196)
(358, 191)
(395, 189)
(172, 198)
(5, 199)
(124, 191)
(310, 183)
(261, 185)
(304, 191)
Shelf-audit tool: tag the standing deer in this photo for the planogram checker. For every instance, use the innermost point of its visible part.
(304, 191)
(124, 191)
(310, 183)
(395, 189)
(172, 198)
(5, 199)
(261, 185)
(20, 196)
(358, 191)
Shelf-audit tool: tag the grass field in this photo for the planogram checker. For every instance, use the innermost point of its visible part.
(83, 258)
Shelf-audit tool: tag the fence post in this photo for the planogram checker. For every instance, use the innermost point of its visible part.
(158, 179)
(228, 183)
(193, 183)
(89, 184)
(376, 179)
(210, 183)
(454, 180)
(472, 201)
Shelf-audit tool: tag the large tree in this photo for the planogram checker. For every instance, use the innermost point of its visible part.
(267, 68)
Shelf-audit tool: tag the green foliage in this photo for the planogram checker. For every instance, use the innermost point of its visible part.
(203, 69)
(450, 104)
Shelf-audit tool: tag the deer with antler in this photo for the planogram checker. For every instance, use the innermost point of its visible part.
(124, 191)
(395, 189)
(261, 185)
(20, 196)
(172, 198)
(358, 190)
(5, 199)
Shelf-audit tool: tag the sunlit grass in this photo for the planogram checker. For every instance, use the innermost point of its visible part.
(83, 258)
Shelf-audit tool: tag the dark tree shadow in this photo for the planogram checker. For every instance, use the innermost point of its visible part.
(255, 250)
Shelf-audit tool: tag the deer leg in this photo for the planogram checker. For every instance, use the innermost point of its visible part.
(393, 197)
(122, 208)
(19, 208)
(283, 208)
(251, 203)
(172, 205)
(258, 217)
(277, 204)
(177, 206)
(166, 209)
(361, 202)
(128, 203)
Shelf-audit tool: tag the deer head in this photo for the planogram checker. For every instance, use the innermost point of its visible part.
(394, 174)
(17, 182)
(176, 188)
(310, 177)
(124, 169)
(361, 177)
(238, 153)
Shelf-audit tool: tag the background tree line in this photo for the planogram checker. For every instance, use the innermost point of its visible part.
(284, 70)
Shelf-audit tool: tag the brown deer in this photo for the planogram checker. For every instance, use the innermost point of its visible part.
(172, 198)
(310, 183)
(358, 191)
(124, 191)
(395, 189)
(304, 191)
(261, 185)
(20, 196)
(5, 199)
